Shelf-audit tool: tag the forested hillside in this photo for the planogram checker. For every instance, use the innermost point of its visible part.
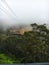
(31, 47)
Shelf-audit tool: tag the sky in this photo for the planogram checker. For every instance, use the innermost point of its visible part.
(24, 11)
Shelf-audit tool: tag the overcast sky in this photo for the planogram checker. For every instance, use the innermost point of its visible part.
(26, 11)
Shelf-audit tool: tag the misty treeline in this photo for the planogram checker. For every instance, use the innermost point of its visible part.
(31, 47)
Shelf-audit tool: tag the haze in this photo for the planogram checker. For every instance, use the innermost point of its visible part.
(26, 11)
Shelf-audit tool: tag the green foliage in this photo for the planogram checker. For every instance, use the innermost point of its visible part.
(31, 47)
(5, 59)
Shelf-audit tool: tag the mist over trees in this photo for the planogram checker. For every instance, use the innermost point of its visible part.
(31, 47)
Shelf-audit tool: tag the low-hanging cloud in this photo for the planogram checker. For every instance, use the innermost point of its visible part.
(26, 11)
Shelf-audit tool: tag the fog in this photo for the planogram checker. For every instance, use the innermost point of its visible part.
(25, 12)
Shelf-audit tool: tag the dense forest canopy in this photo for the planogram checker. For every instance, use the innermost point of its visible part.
(31, 47)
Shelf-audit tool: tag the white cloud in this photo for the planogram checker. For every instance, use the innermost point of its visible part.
(30, 9)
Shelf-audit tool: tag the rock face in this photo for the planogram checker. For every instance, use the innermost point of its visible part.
(19, 30)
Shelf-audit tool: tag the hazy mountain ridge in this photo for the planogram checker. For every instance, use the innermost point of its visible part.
(20, 29)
